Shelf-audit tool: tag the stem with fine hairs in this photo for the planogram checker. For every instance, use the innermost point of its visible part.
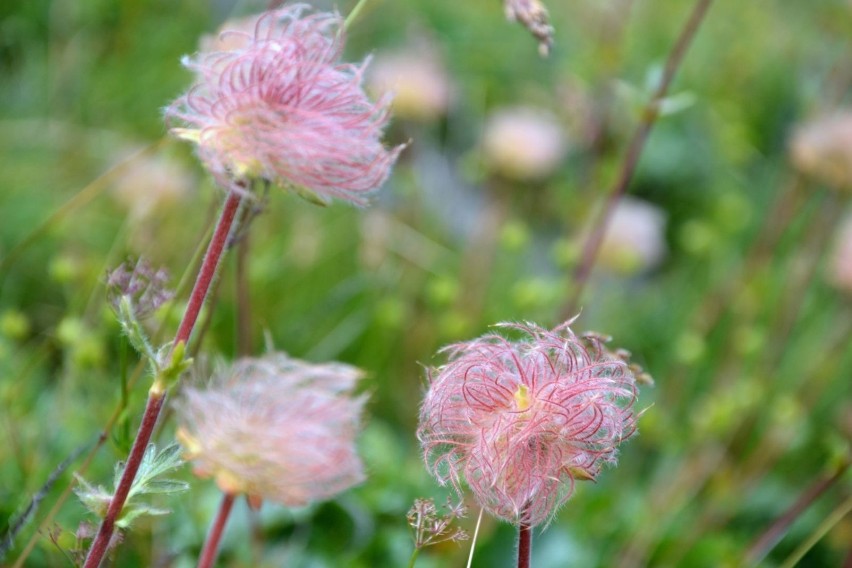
(211, 545)
(157, 394)
(650, 113)
(117, 413)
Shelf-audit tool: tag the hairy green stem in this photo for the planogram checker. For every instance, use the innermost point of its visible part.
(414, 556)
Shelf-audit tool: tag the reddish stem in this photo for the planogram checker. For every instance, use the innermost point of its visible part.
(763, 545)
(524, 545)
(211, 546)
(208, 267)
(631, 159)
(143, 436)
(156, 398)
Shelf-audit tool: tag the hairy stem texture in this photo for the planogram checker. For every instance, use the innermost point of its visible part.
(156, 398)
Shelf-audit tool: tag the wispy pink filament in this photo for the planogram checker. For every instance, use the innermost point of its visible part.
(519, 421)
(279, 105)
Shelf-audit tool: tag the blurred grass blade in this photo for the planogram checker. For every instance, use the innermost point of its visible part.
(17, 524)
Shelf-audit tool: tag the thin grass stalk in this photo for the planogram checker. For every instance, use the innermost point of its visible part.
(650, 113)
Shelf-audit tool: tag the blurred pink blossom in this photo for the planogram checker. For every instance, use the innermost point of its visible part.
(520, 421)
(275, 428)
(151, 184)
(279, 105)
(822, 148)
(634, 240)
(840, 262)
(418, 80)
(523, 143)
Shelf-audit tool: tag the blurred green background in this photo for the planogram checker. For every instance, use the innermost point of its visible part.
(717, 277)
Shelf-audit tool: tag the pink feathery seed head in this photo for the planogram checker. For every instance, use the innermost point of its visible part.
(279, 105)
(276, 428)
(520, 421)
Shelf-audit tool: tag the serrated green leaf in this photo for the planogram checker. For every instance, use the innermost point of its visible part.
(164, 486)
(153, 465)
(133, 512)
(95, 499)
(676, 103)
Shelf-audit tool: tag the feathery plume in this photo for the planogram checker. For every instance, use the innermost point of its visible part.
(279, 105)
(520, 421)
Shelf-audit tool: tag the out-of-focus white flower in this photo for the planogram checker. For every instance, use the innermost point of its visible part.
(635, 238)
(822, 148)
(234, 34)
(523, 143)
(418, 80)
(150, 183)
(840, 263)
(276, 428)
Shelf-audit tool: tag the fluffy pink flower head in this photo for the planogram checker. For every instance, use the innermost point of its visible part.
(275, 428)
(279, 105)
(521, 420)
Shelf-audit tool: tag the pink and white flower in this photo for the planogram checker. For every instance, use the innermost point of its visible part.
(279, 105)
(520, 421)
(275, 428)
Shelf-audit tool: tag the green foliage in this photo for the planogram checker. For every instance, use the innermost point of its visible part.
(148, 482)
(744, 333)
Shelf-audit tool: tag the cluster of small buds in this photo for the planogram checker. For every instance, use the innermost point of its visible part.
(141, 283)
(279, 105)
(275, 428)
(520, 421)
(430, 527)
(532, 15)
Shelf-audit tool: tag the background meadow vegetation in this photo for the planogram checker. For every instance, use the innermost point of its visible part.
(732, 310)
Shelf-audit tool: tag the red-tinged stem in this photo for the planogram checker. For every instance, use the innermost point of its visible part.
(143, 436)
(763, 545)
(208, 267)
(524, 545)
(156, 396)
(650, 113)
(211, 546)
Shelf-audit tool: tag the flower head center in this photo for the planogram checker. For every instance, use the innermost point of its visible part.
(522, 398)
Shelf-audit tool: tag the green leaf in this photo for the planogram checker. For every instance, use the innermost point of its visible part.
(133, 512)
(154, 464)
(95, 499)
(164, 486)
(172, 363)
(133, 329)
